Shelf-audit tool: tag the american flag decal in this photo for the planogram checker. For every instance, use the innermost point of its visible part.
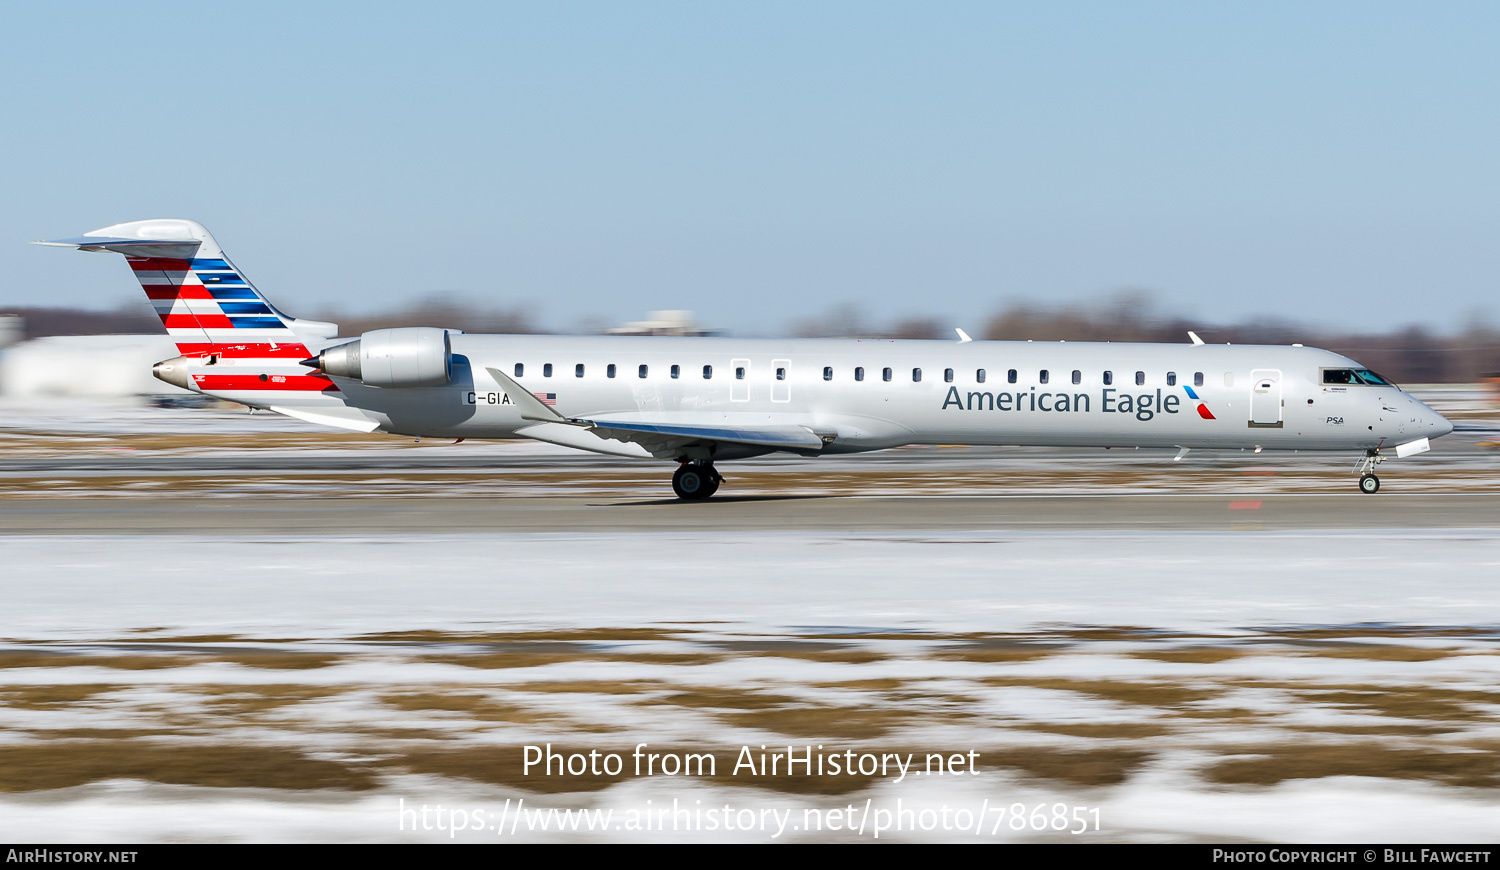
(547, 398)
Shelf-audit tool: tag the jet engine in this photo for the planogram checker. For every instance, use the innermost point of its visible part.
(411, 356)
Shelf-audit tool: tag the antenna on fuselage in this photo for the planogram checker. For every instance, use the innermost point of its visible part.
(1193, 336)
(963, 337)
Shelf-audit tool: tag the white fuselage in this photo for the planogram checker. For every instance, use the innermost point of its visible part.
(983, 392)
(697, 400)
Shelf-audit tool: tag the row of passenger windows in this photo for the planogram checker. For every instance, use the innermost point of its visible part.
(1012, 376)
(886, 374)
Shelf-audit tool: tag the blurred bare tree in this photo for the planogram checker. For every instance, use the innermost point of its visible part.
(842, 321)
(438, 310)
(128, 318)
(846, 321)
(918, 327)
(1412, 354)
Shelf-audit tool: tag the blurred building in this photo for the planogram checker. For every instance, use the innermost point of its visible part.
(664, 323)
(12, 329)
(1491, 381)
(117, 366)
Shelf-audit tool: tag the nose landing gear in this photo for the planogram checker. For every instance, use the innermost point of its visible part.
(1368, 482)
(696, 480)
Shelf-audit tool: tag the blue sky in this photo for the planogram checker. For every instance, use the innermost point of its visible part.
(1333, 163)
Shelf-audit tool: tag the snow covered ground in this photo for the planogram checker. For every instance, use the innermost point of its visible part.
(1171, 686)
(1291, 687)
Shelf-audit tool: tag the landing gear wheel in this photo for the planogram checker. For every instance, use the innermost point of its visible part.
(1369, 483)
(692, 482)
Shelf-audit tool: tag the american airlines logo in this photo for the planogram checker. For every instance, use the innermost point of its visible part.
(1202, 408)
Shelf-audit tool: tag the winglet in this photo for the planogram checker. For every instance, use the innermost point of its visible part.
(963, 337)
(531, 407)
(1194, 336)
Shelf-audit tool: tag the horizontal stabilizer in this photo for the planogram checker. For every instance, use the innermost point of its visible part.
(172, 248)
(108, 241)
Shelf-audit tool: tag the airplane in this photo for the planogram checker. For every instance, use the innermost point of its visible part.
(700, 401)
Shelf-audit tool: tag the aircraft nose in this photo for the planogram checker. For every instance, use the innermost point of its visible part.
(1438, 424)
(1431, 423)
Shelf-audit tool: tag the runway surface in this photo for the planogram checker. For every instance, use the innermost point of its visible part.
(468, 514)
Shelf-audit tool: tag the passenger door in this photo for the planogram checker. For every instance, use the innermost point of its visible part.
(1265, 399)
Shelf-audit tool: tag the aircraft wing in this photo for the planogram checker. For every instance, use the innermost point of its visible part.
(662, 440)
(668, 438)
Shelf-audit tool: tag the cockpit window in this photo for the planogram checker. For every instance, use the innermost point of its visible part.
(1369, 377)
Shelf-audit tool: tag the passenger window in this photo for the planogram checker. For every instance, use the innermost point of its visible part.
(916, 375)
(1077, 376)
(578, 370)
(979, 376)
(1011, 376)
(1229, 379)
(827, 373)
(781, 374)
(1109, 378)
(1043, 377)
(1171, 379)
(1140, 379)
(1197, 379)
(609, 370)
(520, 370)
(708, 372)
(547, 370)
(676, 371)
(885, 374)
(947, 376)
(859, 373)
(739, 373)
(640, 372)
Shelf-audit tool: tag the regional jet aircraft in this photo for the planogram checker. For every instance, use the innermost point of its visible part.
(699, 401)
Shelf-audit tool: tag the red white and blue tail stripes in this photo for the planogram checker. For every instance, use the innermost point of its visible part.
(208, 300)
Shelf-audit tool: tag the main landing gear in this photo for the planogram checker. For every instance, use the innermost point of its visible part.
(696, 480)
(1368, 482)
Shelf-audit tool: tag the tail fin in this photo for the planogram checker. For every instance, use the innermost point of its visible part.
(205, 303)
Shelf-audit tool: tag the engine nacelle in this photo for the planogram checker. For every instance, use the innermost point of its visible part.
(410, 356)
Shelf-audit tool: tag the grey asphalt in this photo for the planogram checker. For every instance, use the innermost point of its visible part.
(1447, 451)
(303, 516)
